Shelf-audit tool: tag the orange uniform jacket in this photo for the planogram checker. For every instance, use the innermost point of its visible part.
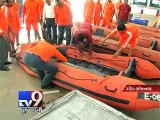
(46, 50)
(41, 5)
(31, 10)
(108, 10)
(3, 22)
(11, 18)
(98, 10)
(15, 9)
(85, 7)
(108, 13)
(130, 28)
(63, 15)
(124, 36)
(89, 11)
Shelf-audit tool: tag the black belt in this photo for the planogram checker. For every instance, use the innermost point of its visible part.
(49, 18)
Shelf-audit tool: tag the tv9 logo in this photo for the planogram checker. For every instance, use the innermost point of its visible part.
(30, 99)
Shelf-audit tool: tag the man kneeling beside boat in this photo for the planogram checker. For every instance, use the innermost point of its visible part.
(38, 58)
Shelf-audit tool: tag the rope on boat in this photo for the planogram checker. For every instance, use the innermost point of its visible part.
(76, 78)
(102, 59)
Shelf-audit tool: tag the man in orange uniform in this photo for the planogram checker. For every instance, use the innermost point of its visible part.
(63, 17)
(85, 8)
(37, 58)
(98, 12)
(118, 4)
(89, 11)
(12, 26)
(128, 35)
(3, 38)
(31, 11)
(15, 9)
(109, 11)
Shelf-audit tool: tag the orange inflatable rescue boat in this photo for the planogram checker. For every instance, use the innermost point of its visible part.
(150, 42)
(144, 30)
(111, 46)
(141, 27)
(100, 81)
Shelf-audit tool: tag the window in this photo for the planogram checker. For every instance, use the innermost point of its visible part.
(140, 2)
(155, 3)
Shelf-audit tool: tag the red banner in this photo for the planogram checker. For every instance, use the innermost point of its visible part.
(142, 88)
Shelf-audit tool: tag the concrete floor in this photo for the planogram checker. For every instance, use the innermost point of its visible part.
(17, 79)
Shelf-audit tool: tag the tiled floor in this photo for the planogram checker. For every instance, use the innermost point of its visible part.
(17, 79)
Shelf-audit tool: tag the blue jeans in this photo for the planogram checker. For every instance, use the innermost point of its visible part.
(61, 30)
(34, 61)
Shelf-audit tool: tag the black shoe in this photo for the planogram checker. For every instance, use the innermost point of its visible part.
(7, 63)
(5, 68)
(50, 86)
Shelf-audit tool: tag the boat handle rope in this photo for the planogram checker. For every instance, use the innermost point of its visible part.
(76, 78)
(146, 55)
(110, 90)
(98, 59)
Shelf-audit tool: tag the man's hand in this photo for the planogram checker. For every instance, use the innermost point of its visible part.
(40, 21)
(43, 21)
(13, 33)
(71, 24)
(5, 36)
(23, 21)
(89, 57)
(101, 18)
(116, 55)
(104, 42)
